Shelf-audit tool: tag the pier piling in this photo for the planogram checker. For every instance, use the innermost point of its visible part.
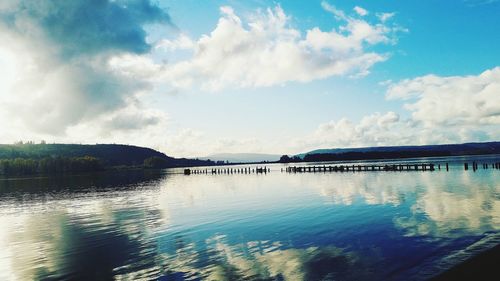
(339, 168)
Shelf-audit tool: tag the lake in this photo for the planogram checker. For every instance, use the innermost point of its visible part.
(163, 225)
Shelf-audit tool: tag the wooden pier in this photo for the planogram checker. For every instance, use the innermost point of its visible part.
(337, 168)
(228, 171)
(362, 168)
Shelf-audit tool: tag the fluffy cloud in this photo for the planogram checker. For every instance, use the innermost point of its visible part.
(375, 129)
(360, 11)
(266, 50)
(55, 73)
(452, 101)
(385, 16)
(442, 110)
(78, 70)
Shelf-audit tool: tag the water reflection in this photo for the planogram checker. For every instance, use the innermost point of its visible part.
(446, 204)
(48, 188)
(323, 226)
(468, 205)
(264, 260)
(374, 189)
(84, 240)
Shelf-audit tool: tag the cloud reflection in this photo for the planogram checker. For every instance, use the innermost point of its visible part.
(373, 189)
(65, 246)
(434, 204)
(469, 205)
(263, 260)
(447, 205)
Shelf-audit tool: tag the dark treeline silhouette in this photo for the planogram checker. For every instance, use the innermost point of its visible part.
(29, 158)
(155, 162)
(288, 159)
(372, 155)
(395, 152)
(22, 166)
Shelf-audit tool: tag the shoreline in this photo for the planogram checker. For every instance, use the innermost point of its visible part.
(484, 266)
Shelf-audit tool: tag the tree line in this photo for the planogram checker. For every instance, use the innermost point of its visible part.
(372, 155)
(69, 165)
(49, 165)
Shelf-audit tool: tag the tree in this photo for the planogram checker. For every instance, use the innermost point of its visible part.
(285, 159)
(155, 162)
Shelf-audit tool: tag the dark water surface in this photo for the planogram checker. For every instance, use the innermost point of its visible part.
(163, 225)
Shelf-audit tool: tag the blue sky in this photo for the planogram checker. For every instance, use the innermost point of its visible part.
(193, 78)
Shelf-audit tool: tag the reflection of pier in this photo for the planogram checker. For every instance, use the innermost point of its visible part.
(339, 168)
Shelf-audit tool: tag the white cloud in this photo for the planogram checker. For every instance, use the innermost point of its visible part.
(57, 82)
(360, 11)
(372, 130)
(266, 50)
(182, 42)
(67, 85)
(388, 130)
(53, 89)
(385, 16)
(452, 101)
(443, 110)
(339, 14)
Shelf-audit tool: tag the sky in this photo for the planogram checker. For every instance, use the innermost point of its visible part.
(194, 78)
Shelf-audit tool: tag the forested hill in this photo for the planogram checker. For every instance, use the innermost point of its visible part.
(392, 152)
(108, 154)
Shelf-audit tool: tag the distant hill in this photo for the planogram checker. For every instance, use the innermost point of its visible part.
(387, 152)
(243, 157)
(109, 154)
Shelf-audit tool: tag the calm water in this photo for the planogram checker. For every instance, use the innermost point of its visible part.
(321, 226)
